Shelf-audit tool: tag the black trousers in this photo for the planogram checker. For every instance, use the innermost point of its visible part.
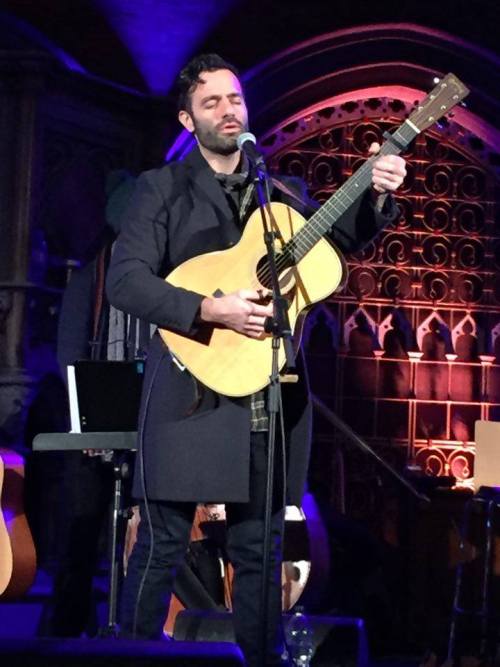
(152, 568)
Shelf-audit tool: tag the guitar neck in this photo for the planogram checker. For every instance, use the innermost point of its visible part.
(324, 219)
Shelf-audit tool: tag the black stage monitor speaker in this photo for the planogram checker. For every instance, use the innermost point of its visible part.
(117, 653)
(338, 640)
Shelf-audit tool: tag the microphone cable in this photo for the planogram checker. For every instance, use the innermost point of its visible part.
(144, 492)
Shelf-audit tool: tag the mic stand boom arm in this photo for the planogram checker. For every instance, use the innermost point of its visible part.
(338, 423)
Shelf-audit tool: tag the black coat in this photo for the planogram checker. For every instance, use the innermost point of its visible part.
(196, 444)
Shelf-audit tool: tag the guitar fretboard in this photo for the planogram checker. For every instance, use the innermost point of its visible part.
(325, 218)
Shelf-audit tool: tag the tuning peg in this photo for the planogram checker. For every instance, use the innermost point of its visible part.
(463, 104)
(436, 80)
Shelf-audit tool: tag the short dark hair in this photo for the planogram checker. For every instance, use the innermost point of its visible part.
(189, 76)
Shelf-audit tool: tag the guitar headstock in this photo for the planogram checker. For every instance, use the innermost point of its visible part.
(448, 92)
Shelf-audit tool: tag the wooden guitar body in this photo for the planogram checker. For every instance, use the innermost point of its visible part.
(307, 560)
(228, 362)
(17, 551)
(5, 548)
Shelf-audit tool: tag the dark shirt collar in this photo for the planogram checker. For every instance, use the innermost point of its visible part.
(239, 179)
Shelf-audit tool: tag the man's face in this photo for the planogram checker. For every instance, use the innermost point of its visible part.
(218, 113)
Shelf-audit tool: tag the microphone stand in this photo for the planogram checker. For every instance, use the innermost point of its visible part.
(121, 472)
(279, 326)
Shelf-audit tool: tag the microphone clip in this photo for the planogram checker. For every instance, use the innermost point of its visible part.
(247, 143)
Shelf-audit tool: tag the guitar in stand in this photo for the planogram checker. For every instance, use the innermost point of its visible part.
(305, 568)
(17, 551)
(5, 548)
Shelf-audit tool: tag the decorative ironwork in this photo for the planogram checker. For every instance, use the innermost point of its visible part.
(428, 284)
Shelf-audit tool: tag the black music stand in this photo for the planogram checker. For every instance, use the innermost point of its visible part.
(119, 442)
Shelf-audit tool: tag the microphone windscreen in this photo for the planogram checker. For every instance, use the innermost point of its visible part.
(244, 137)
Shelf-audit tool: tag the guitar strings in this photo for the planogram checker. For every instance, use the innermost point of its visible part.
(320, 222)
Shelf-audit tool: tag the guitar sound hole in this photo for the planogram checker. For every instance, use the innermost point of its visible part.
(264, 275)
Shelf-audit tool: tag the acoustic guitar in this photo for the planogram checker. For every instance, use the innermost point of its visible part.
(305, 570)
(310, 268)
(5, 548)
(17, 551)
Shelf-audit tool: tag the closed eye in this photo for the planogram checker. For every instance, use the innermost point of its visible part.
(210, 102)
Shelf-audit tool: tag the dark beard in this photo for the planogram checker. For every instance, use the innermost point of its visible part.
(217, 143)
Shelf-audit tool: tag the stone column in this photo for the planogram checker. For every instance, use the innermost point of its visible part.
(21, 77)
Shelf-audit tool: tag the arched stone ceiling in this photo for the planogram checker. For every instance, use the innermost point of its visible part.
(398, 60)
(142, 43)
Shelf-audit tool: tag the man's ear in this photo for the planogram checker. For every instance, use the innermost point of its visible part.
(186, 120)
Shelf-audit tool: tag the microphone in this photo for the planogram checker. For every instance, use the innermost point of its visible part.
(246, 142)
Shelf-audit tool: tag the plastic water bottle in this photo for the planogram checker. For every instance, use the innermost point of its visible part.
(300, 639)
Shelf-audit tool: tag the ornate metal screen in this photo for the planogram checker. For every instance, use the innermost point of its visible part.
(409, 351)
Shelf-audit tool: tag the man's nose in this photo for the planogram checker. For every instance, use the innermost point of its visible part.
(227, 108)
